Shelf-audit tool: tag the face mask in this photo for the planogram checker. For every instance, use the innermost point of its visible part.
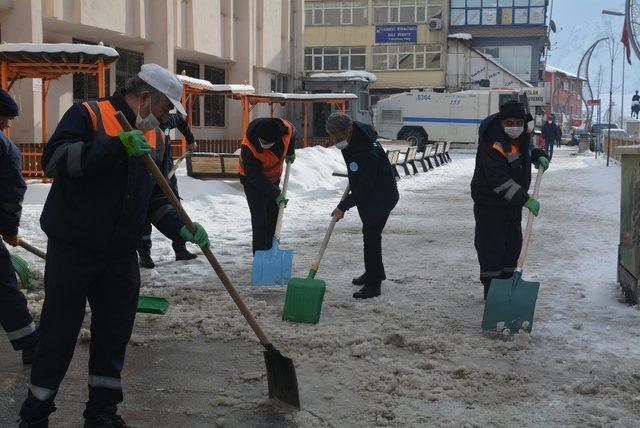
(342, 145)
(147, 123)
(513, 131)
(265, 145)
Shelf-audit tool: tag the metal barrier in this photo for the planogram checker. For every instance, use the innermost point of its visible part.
(615, 143)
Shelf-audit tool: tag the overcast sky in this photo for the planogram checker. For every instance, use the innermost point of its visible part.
(580, 23)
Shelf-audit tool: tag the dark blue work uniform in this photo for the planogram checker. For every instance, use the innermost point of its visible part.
(373, 191)
(499, 187)
(94, 215)
(14, 315)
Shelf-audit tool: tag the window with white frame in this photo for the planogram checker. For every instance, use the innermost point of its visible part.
(407, 57)
(406, 11)
(498, 12)
(516, 59)
(344, 12)
(279, 82)
(335, 58)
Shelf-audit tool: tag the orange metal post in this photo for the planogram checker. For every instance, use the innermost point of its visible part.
(183, 141)
(271, 106)
(306, 124)
(5, 84)
(343, 106)
(44, 110)
(101, 82)
(244, 99)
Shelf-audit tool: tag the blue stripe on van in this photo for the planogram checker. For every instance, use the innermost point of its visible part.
(441, 120)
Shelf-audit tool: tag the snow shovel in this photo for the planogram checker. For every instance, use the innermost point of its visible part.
(273, 266)
(512, 301)
(303, 301)
(281, 373)
(22, 270)
(146, 304)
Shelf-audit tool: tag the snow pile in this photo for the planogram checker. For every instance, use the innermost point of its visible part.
(346, 75)
(461, 36)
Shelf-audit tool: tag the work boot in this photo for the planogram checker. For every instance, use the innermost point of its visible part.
(185, 255)
(27, 355)
(368, 291)
(360, 281)
(105, 421)
(42, 423)
(146, 261)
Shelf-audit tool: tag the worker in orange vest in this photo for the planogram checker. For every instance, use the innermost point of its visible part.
(267, 144)
(98, 203)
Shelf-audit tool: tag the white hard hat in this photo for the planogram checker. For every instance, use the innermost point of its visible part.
(164, 81)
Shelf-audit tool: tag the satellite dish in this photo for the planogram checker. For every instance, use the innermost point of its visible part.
(552, 24)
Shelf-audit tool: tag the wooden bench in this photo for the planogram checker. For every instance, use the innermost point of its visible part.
(424, 157)
(435, 154)
(393, 156)
(212, 165)
(409, 159)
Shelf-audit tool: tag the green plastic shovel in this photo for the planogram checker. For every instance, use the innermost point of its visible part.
(512, 301)
(303, 301)
(146, 304)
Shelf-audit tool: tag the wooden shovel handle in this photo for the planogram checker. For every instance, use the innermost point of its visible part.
(327, 235)
(285, 185)
(184, 217)
(33, 250)
(176, 165)
(527, 233)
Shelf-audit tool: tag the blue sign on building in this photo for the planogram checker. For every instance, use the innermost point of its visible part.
(396, 33)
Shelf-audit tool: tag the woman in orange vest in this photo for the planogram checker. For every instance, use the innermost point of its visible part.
(265, 147)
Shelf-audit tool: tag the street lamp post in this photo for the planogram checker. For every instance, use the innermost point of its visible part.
(614, 13)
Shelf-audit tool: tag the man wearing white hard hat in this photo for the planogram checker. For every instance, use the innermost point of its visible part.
(100, 199)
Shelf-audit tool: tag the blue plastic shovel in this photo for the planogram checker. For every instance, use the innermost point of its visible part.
(273, 266)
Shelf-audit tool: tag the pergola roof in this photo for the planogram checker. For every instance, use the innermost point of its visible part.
(281, 97)
(206, 86)
(52, 60)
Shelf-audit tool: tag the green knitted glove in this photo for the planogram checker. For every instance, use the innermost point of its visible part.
(290, 158)
(533, 206)
(200, 236)
(281, 199)
(542, 162)
(134, 143)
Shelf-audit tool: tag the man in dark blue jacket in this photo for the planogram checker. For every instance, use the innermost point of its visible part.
(14, 315)
(179, 245)
(373, 191)
(552, 134)
(499, 189)
(98, 203)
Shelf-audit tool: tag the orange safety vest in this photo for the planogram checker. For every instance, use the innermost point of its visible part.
(272, 165)
(106, 126)
(514, 152)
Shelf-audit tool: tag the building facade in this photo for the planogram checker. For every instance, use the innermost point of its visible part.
(401, 41)
(565, 97)
(224, 41)
(513, 32)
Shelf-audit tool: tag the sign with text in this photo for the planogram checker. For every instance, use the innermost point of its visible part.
(593, 102)
(396, 33)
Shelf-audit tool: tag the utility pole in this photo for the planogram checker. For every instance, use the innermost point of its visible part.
(624, 59)
(612, 51)
(610, 105)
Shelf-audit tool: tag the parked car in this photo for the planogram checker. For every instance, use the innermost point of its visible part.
(597, 131)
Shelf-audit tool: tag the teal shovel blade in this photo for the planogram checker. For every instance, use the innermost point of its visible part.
(272, 267)
(22, 269)
(512, 301)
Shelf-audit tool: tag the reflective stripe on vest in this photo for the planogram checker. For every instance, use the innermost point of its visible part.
(106, 126)
(272, 165)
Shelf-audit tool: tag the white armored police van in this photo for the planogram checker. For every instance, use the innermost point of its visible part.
(420, 116)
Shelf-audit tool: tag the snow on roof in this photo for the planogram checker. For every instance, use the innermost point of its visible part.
(346, 75)
(461, 36)
(68, 52)
(309, 97)
(552, 69)
(208, 86)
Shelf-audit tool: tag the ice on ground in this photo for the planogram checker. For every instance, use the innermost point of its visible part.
(415, 356)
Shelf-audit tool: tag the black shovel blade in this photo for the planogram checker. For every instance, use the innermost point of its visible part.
(281, 376)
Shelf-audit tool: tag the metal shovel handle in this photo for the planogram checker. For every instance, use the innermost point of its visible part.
(327, 236)
(527, 233)
(285, 185)
(184, 217)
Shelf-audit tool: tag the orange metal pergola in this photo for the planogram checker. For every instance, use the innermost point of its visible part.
(50, 61)
(193, 88)
(250, 101)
